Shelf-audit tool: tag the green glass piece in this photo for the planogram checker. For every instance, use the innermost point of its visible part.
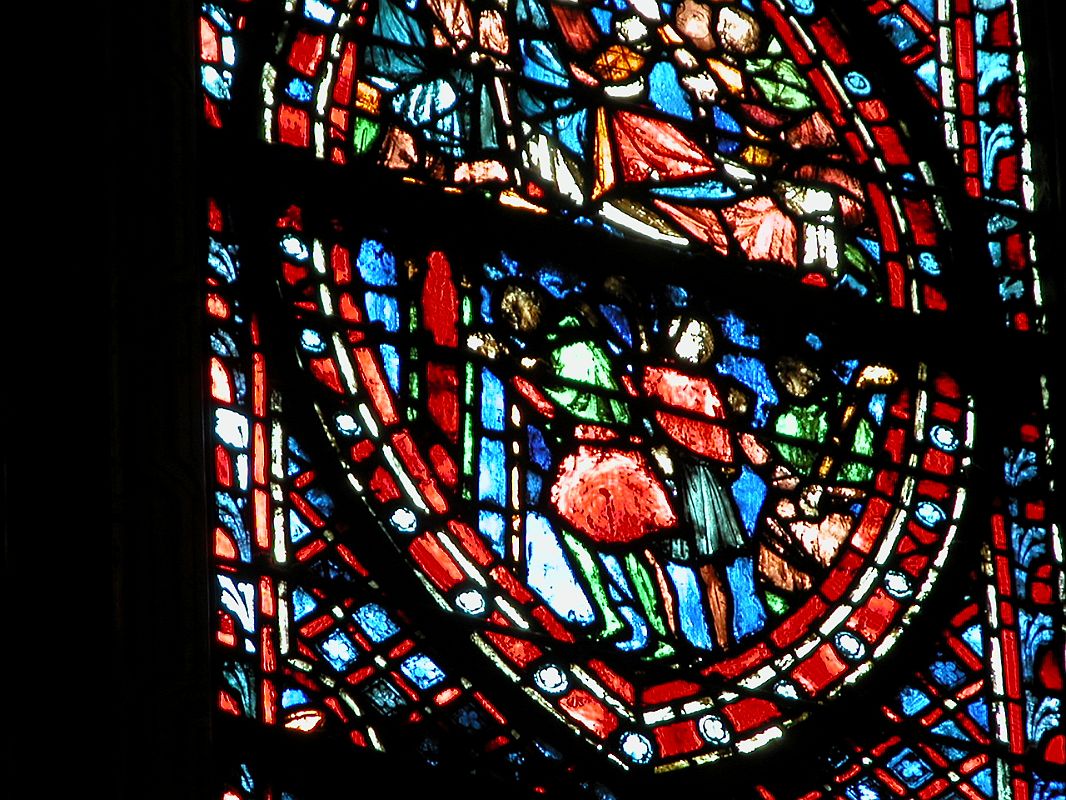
(585, 362)
(782, 84)
(803, 423)
(364, 133)
(591, 571)
(778, 604)
(864, 439)
(645, 586)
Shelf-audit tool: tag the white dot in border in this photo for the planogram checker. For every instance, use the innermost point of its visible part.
(471, 601)
(551, 678)
(851, 646)
(713, 729)
(636, 747)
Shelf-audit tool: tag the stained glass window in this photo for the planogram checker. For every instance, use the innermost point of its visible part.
(619, 396)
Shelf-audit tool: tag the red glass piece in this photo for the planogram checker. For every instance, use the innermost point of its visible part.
(306, 53)
(611, 495)
(653, 149)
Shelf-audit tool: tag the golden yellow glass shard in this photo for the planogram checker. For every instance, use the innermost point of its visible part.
(603, 158)
(730, 77)
(368, 98)
(617, 63)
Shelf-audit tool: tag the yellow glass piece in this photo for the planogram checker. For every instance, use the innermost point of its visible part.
(618, 63)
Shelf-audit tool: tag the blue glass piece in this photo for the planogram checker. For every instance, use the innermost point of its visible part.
(924, 7)
(603, 18)
(376, 264)
(538, 450)
(929, 74)
(899, 31)
(850, 283)
(705, 190)
(302, 604)
(558, 283)
(725, 121)
(375, 620)
(983, 781)
(951, 730)
(638, 627)
(390, 360)
(293, 697)
(1011, 289)
(383, 308)
(617, 318)
(220, 16)
(752, 373)
(300, 90)
(570, 130)
(297, 528)
(690, 605)
(749, 491)
(530, 12)
(910, 768)
(867, 788)
(749, 614)
(385, 697)
(877, 407)
(973, 637)
(470, 717)
(912, 700)
(845, 369)
(993, 68)
(978, 711)
(393, 24)
(217, 83)
(320, 500)
(422, 671)
(312, 340)
(549, 573)
(541, 63)
(492, 401)
(994, 141)
(614, 569)
(492, 474)
(736, 330)
(223, 260)
(676, 296)
(339, 650)
(486, 305)
(665, 91)
(319, 11)
(297, 451)
(857, 84)
(247, 783)
(534, 485)
(492, 527)
(222, 344)
(803, 7)
(947, 672)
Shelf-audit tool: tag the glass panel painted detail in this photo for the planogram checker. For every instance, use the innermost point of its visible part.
(307, 639)
(600, 484)
(739, 130)
(968, 64)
